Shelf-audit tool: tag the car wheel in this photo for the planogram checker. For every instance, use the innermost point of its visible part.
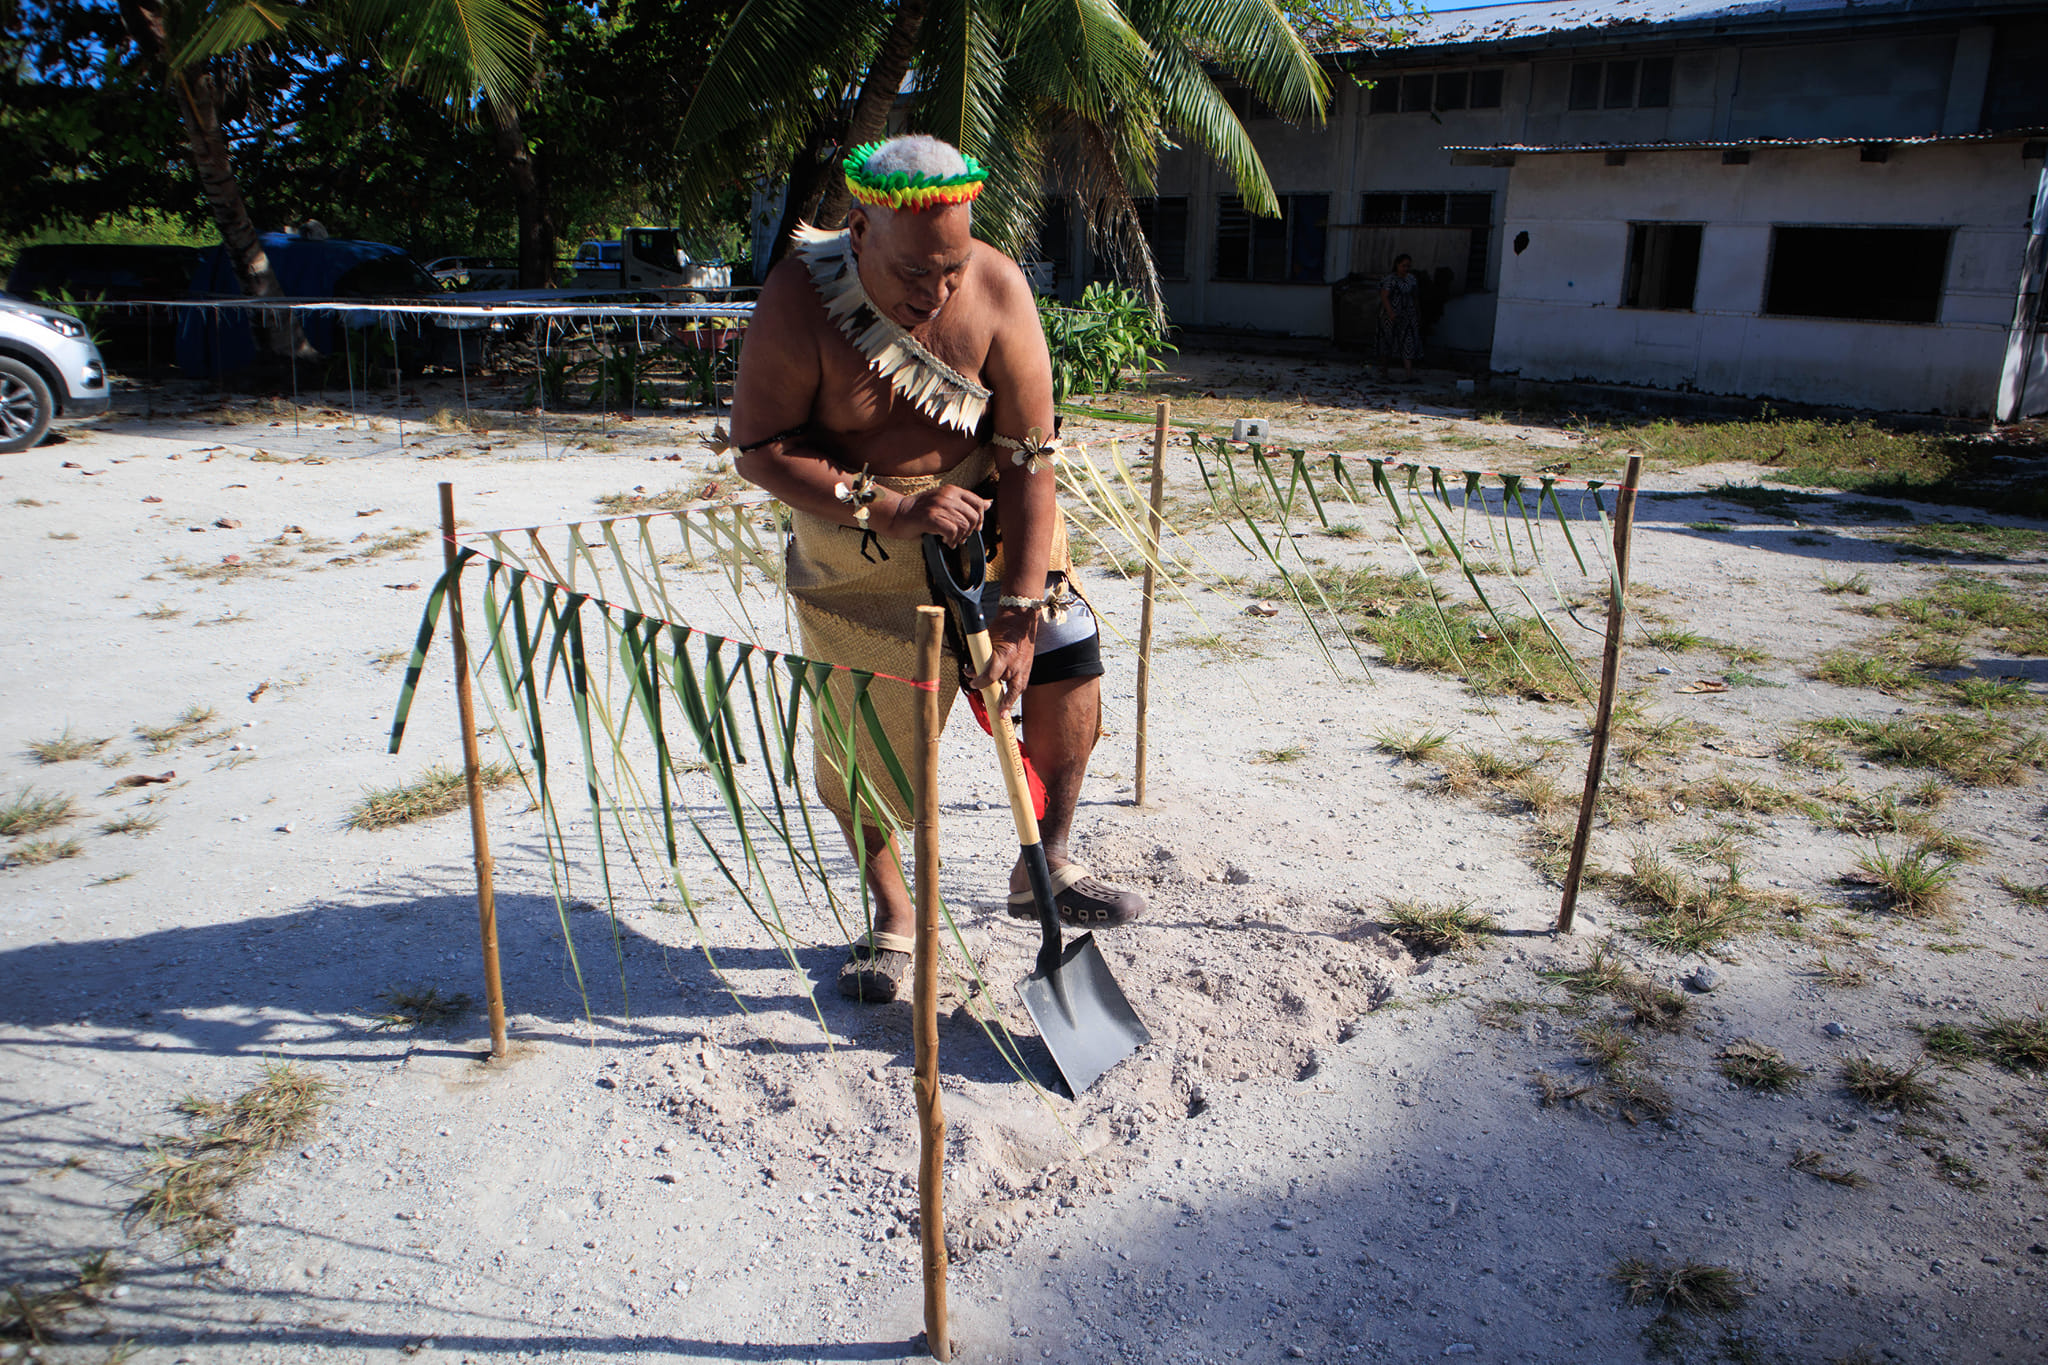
(25, 406)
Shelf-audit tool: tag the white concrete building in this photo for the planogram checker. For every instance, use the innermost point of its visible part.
(1810, 200)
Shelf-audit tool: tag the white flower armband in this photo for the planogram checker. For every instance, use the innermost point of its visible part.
(857, 493)
(1034, 452)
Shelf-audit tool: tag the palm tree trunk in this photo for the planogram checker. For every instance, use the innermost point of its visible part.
(530, 198)
(199, 110)
(877, 97)
(800, 196)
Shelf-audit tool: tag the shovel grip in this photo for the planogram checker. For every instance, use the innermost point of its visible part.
(981, 651)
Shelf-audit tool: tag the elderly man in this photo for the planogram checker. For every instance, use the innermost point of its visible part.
(895, 384)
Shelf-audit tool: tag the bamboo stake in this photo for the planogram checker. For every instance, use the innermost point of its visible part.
(479, 836)
(1610, 665)
(931, 1116)
(1151, 583)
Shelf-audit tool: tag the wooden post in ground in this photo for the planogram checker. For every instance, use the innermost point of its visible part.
(1151, 583)
(479, 836)
(1610, 665)
(924, 1012)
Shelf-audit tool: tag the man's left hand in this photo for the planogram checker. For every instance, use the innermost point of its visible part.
(1012, 635)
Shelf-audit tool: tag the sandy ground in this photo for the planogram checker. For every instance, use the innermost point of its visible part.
(1334, 1148)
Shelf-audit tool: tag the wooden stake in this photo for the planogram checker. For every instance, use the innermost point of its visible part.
(479, 836)
(924, 1011)
(1145, 620)
(1610, 665)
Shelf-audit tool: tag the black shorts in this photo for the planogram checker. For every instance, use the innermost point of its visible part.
(1067, 649)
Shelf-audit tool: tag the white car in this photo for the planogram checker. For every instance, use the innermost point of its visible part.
(49, 368)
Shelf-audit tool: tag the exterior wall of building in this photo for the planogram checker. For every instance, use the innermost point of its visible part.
(1562, 317)
(1555, 312)
(1354, 154)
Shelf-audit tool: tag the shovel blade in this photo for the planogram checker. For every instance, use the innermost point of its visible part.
(1082, 1014)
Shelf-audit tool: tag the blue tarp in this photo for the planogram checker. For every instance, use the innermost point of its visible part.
(221, 341)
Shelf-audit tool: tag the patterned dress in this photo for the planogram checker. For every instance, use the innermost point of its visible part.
(1401, 334)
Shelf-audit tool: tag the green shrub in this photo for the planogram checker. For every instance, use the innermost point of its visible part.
(1108, 331)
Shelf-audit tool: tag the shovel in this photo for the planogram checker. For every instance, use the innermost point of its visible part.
(1082, 1014)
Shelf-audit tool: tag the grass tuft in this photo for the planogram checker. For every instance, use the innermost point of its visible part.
(2026, 893)
(35, 852)
(1682, 914)
(1638, 1098)
(1841, 974)
(187, 1179)
(1856, 583)
(1688, 1287)
(1810, 752)
(38, 1317)
(1888, 1087)
(1602, 975)
(130, 824)
(1519, 659)
(1292, 753)
(1414, 746)
(1723, 791)
(1916, 881)
(27, 812)
(65, 748)
(415, 1009)
(1849, 668)
(1438, 928)
(437, 791)
(190, 723)
(2017, 1042)
(1674, 639)
(1976, 751)
(1950, 1044)
(1758, 1066)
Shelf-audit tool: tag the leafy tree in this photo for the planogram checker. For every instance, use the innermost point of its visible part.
(1074, 96)
(450, 50)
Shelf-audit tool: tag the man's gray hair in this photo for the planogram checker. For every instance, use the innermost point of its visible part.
(919, 154)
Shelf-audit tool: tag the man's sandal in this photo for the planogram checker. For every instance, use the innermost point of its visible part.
(874, 976)
(1085, 901)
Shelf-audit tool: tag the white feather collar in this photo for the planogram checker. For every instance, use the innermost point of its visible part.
(937, 390)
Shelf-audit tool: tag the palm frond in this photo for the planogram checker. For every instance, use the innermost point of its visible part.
(202, 32)
(1192, 106)
(779, 54)
(1254, 41)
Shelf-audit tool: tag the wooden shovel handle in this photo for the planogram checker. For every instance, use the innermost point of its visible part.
(980, 651)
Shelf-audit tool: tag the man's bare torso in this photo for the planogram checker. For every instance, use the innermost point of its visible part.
(856, 417)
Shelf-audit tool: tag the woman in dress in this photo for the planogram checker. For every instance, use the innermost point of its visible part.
(1400, 317)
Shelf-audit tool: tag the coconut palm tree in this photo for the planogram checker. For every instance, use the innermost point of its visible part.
(461, 52)
(1067, 96)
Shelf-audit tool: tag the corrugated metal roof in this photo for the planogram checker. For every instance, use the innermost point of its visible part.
(1728, 144)
(1548, 20)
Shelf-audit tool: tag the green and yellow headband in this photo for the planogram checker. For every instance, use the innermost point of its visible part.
(911, 190)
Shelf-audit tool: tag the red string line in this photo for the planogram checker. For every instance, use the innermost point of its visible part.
(602, 604)
(760, 500)
(1555, 479)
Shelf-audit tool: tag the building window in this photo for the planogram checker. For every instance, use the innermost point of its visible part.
(1287, 249)
(1165, 222)
(1663, 265)
(1629, 84)
(1876, 274)
(1435, 208)
(1435, 92)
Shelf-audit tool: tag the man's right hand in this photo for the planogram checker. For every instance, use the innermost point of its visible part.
(948, 512)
